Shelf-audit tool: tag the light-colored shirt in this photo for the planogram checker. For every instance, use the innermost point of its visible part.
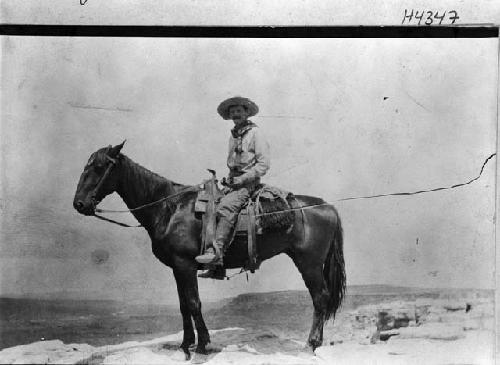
(253, 161)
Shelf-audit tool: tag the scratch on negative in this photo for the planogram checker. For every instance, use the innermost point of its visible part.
(284, 117)
(117, 109)
(415, 101)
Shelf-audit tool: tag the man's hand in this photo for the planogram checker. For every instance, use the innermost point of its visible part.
(236, 182)
(232, 182)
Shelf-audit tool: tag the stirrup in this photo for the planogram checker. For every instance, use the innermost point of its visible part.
(211, 256)
(217, 273)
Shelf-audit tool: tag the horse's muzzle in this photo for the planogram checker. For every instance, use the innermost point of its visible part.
(82, 208)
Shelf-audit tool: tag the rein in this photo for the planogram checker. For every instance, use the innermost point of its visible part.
(167, 198)
(116, 222)
(112, 164)
(390, 194)
(180, 192)
(197, 188)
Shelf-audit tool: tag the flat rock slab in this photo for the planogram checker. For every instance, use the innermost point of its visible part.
(475, 348)
(43, 352)
(432, 331)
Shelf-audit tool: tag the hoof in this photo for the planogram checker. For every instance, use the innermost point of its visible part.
(187, 354)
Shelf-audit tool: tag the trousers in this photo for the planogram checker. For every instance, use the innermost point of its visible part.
(230, 204)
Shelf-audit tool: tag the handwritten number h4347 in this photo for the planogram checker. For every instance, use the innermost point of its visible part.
(428, 17)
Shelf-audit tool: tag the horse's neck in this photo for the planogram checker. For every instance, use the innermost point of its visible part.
(139, 186)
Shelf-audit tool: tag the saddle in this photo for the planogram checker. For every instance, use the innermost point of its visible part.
(267, 210)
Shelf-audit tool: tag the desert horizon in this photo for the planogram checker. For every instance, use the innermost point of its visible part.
(350, 289)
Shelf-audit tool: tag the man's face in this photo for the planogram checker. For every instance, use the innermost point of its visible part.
(238, 114)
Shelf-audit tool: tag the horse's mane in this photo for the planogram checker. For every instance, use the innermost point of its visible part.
(150, 183)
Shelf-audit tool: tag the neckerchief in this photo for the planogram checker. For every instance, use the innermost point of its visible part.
(239, 133)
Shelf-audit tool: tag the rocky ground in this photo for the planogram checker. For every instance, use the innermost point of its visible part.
(413, 327)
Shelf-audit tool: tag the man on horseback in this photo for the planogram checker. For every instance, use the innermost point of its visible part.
(248, 160)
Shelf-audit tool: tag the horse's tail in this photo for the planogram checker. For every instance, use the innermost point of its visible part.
(334, 270)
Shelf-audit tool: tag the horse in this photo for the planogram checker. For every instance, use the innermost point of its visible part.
(166, 211)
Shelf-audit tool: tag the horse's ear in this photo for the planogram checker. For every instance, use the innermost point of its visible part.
(116, 149)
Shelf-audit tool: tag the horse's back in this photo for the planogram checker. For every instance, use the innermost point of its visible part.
(311, 215)
(317, 209)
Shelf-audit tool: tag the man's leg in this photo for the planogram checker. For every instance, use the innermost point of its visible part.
(228, 210)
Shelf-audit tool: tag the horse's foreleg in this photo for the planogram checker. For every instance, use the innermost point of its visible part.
(199, 322)
(190, 286)
(187, 324)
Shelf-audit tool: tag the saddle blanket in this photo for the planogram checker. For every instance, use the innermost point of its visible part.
(272, 210)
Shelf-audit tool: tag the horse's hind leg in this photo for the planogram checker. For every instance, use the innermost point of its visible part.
(312, 273)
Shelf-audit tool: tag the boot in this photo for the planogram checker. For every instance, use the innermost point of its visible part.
(216, 272)
(214, 255)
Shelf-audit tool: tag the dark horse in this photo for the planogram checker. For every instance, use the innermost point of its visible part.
(314, 244)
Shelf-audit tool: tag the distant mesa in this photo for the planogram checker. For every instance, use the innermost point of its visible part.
(99, 256)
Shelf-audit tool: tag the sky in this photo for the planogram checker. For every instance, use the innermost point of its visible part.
(344, 117)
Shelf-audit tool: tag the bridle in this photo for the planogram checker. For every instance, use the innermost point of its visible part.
(96, 191)
(111, 164)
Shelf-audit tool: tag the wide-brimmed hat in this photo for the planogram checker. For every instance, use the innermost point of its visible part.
(223, 108)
